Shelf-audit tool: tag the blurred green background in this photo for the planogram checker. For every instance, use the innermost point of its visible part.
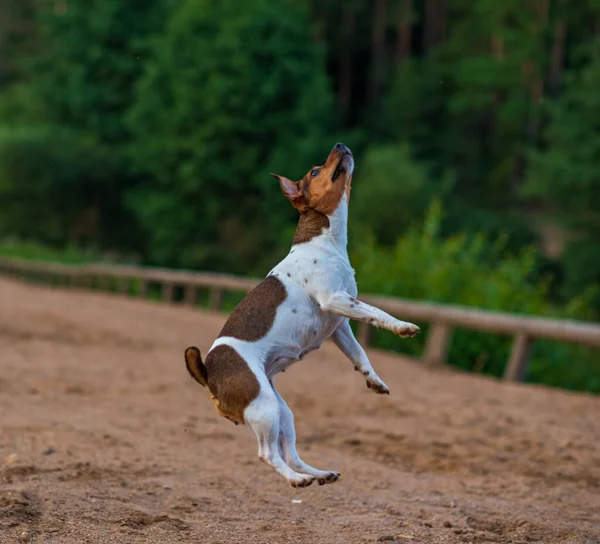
(144, 130)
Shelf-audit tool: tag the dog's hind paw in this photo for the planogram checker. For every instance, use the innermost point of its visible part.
(304, 480)
(329, 478)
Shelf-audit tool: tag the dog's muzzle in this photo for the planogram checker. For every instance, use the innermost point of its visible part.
(345, 163)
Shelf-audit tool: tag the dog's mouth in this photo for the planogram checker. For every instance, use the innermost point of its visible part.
(345, 165)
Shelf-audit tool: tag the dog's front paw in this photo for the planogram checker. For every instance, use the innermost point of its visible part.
(406, 330)
(375, 383)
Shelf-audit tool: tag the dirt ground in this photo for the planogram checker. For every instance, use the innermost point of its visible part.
(104, 438)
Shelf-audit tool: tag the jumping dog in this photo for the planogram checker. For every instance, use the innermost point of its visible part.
(308, 297)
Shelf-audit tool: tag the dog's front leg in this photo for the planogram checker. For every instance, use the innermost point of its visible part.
(343, 337)
(343, 304)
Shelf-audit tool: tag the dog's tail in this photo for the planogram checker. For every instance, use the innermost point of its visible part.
(195, 366)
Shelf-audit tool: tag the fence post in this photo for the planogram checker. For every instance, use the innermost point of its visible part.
(104, 282)
(216, 296)
(167, 292)
(87, 281)
(519, 357)
(124, 286)
(364, 334)
(438, 343)
(190, 295)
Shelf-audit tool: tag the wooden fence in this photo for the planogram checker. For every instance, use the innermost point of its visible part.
(443, 318)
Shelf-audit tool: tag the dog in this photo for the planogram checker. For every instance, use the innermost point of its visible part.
(308, 297)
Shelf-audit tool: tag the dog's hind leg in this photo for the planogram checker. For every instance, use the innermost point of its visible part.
(263, 416)
(287, 445)
(343, 337)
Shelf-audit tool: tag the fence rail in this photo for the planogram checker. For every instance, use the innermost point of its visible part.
(443, 318)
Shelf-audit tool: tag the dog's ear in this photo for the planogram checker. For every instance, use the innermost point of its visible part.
(195, 366)
(293, 192)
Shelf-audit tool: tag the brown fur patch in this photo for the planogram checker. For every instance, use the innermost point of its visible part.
(320, 193)
(310, 224)
(231, 382)
(253, 317)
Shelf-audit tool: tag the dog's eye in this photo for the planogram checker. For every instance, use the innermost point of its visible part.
(314, 173)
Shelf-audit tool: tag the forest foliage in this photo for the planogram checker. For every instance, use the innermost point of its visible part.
(147, 129)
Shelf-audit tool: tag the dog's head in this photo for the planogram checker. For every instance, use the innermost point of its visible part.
(323, 187)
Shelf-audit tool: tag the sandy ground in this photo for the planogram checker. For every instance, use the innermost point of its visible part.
(105, 438)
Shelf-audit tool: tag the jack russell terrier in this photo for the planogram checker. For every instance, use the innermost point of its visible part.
(307, 298)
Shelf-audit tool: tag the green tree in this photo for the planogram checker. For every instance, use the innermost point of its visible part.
(78, 85)
(93, 54)
(233, 91)
(56, 187)
(469, 106)
(449, 123)
(474, 270)
(565, 174)
(18, 34)
(391, 191)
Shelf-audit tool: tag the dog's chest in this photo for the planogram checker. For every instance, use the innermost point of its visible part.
(317, 269)
(301, 326)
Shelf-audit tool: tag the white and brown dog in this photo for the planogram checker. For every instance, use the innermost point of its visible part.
(305, 299)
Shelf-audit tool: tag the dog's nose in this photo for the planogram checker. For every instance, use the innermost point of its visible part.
(340, 148)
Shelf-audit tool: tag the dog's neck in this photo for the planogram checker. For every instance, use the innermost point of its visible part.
(338, 225)
(334, 227)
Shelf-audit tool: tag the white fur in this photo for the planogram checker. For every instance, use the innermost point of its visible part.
(321, 291)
